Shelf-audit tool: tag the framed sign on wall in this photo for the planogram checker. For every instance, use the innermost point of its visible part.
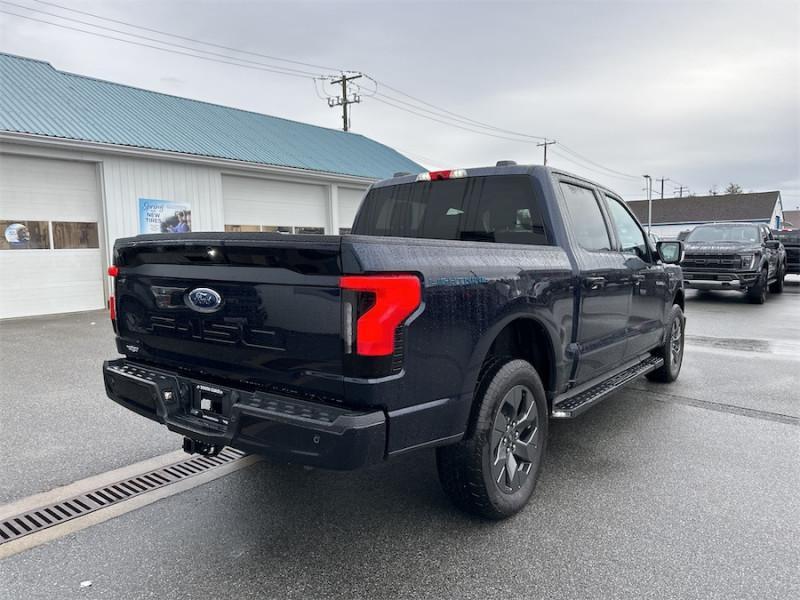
(164, 216)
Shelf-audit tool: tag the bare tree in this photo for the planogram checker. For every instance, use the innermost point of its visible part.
(733, 188)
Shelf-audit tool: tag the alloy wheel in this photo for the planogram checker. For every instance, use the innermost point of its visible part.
(515, 443)
(676, 343)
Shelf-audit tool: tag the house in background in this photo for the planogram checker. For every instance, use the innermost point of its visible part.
(673, 215)
(791, 217)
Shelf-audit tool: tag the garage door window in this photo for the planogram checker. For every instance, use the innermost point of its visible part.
(24, 235)
(73, 235)
(242, 228)
(312, 230)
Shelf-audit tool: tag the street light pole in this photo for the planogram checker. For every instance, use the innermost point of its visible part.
(649, 202)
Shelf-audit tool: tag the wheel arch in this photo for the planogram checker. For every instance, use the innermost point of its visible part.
(524, 336)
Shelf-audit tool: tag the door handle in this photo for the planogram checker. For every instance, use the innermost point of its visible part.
(595, 283)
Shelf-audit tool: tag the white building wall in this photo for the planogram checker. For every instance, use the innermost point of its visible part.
(349, 201)
(125, 180)
(777, 214)
(125, 175)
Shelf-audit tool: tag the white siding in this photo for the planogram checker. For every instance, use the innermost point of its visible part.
(46, 281)
(126, 180)
(257, 201)
(349, 201)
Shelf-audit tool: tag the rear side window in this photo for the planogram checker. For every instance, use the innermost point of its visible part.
(498, 208)
(585, 216)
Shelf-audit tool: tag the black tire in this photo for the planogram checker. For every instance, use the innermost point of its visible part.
(672, 349)
(757, 294)
(776, 287)
(467, 469)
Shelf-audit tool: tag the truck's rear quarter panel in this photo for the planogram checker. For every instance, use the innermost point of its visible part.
(470, 291)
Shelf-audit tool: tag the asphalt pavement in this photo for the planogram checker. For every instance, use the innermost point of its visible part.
(686, 490)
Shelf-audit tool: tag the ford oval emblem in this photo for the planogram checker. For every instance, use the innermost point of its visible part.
(204, 300)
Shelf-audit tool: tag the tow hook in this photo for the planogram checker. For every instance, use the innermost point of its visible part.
(195, 447)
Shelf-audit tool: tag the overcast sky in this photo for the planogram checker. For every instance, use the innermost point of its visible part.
(702, 92)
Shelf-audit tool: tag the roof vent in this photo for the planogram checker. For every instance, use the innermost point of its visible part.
(506, 163)
(401, 174)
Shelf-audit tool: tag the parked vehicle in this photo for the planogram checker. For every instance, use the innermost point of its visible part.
(791, 242)
(735, 256)
(467, 309)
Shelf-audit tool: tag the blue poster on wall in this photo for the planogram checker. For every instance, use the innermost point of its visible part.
(164, 216)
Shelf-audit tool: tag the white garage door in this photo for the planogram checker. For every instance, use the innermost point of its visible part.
(349, 201)
(253, 204)
(50, 258)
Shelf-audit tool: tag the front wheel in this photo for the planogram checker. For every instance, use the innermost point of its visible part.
(672, 349)
(493, 472)
(757, 294)
(776, 287)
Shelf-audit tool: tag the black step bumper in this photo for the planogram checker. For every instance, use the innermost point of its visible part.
(277, 426)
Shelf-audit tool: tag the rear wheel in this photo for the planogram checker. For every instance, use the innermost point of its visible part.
(672, 349)
(776, 287)
(757, 294)
(494, 471)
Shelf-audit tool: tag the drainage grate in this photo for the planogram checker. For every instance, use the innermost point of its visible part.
(53, 514)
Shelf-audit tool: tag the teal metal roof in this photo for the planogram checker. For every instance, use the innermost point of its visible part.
(36, 98)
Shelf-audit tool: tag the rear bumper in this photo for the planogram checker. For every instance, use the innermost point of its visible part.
(277, 426)
(719, 280)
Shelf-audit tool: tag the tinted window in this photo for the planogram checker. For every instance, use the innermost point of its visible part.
(628, 231)
(725, 233)
(586, 218)
(499, 208)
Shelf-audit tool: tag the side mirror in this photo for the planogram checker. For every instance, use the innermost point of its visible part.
(670, 253)
(773, 244)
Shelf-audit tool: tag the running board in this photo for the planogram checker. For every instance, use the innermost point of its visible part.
(575, 404)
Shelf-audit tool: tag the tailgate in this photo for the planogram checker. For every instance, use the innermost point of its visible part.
(260, 308)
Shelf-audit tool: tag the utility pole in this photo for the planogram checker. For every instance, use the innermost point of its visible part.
(663, 179)
(680, 190)
(649, 202)
(545, 143)
(344, 100)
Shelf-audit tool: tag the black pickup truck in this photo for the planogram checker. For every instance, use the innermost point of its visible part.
(735, 256)
(790, 238)
(467, 309)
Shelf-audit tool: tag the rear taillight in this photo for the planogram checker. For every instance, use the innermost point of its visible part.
(375, 307)
(113, 271)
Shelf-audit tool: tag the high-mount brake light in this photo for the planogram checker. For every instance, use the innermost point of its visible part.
(393, 299)
(440, 175)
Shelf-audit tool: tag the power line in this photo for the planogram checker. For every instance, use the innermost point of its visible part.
(502, 137)
(440, 114)
(135, 43)
(188, 39)
(453, 114)
(576, 162)
(150, 39)
(591, 162)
